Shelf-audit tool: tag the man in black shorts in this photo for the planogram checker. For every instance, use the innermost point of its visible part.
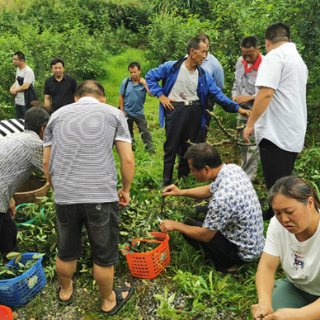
(78, 144)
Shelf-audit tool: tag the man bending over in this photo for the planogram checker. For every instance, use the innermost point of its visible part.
(231, 234)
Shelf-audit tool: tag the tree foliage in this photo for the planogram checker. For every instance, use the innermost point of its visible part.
(83, 32)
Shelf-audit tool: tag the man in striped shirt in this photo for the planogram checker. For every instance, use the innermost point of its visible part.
(11, 126)
(79, 164)
(20, 155)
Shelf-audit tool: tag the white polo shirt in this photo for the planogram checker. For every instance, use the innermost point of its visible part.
(285, 120)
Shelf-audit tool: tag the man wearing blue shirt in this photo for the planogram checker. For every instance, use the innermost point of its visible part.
(131, 100)
(183, 103)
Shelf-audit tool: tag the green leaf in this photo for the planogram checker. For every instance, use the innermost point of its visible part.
(203, 282)
(12, 255)
(171, 298)
(38, 256)
(18, 258)
(159, 297)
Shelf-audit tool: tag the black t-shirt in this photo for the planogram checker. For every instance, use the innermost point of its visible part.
(61, 92)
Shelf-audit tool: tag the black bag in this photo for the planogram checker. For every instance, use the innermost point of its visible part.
(29, 94)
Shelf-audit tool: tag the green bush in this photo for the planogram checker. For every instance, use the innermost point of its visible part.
(83, 59)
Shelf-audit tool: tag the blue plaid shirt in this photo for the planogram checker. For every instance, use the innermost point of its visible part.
(235, 211)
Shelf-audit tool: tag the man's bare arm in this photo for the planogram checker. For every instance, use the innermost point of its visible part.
(127, 164)
(46, 161)
(196, 193)
(47, 100)
(12, 89)
(143, 81)
(24, 87)
(193, 232)
(121, 103)
(260, 105)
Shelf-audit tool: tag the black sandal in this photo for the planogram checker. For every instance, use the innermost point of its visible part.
(66, 302)
(119, 298)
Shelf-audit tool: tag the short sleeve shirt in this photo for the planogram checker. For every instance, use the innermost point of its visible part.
(20, 155)
(11, 126)
(186, 85)
(61, 92)
(284, 122)
(235, 211)
(299, 260)
(82, 165)
(28, 77)
(135, 97)
(213, 66)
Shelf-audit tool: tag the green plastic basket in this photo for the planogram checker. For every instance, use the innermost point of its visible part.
(28, 223)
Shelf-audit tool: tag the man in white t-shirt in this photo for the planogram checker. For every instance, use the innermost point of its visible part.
(26, 76)
(279, 114)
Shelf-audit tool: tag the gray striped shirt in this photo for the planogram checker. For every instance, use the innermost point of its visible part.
(11, 126)
(20, 154)
(82, 166)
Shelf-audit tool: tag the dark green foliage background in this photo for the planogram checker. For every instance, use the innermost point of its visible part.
(86, 32)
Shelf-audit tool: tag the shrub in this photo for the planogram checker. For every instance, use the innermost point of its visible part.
(83, 59)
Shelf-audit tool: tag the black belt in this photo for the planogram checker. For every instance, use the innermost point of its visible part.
(187, 103)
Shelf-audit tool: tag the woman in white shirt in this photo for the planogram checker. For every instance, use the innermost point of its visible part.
(293, 239)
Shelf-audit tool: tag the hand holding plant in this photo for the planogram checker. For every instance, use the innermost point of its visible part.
(260, 309)
(171, 190)
(167, 226)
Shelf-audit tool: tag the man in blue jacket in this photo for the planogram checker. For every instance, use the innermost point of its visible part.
(183, 97)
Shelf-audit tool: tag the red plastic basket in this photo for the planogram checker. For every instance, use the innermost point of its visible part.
(149, 264)
(5, 313)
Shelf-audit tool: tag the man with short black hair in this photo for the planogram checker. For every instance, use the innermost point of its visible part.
(279, 113)
(20, 155)
(60, 87)
(183, 101)
(243, 92)
(131, 101)
(79, 164)
(24, 80)
(231, 234)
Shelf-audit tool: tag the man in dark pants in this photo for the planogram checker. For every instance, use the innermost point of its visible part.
(24, 81)
(60, 87)
(232, 232)
(183, 103)
(131, 101)
(279, 113)
(8, 229)
(21, 153)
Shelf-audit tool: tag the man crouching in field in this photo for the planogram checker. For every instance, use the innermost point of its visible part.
(231, 234)
(79, 164)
